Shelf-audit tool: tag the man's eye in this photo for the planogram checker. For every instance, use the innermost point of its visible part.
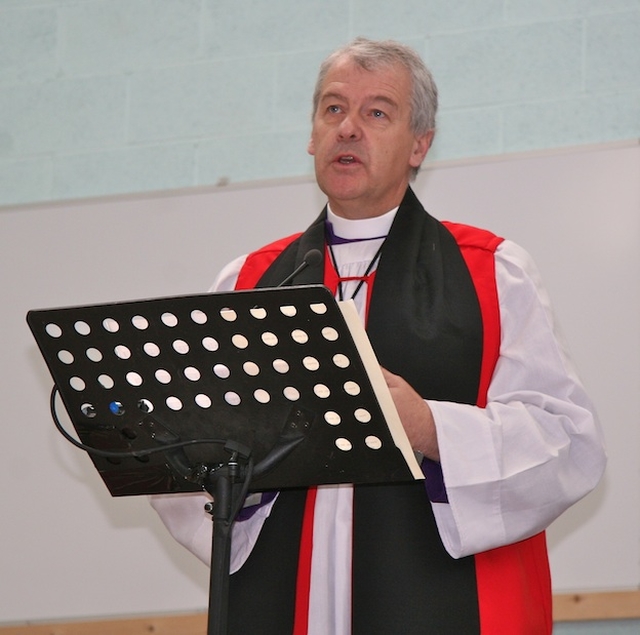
(378, 114)
(333, 109)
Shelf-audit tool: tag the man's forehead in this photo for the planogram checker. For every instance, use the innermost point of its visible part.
(383, 81)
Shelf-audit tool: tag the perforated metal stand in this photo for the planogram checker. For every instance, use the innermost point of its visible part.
(160, 390)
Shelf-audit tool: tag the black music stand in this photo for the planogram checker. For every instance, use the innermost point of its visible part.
(228, 393)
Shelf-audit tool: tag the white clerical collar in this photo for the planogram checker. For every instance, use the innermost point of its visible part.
(376, 227)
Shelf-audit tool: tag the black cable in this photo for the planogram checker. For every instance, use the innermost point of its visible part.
(239, 501)
(247, 472)
(109, 454)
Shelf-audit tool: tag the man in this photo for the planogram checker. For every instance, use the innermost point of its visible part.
(464, 333)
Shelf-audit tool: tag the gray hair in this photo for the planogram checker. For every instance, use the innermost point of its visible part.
(370, 54)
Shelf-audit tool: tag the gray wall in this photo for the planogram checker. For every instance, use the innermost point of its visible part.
(70, 550)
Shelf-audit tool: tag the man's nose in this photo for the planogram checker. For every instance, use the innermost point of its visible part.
(349, 129)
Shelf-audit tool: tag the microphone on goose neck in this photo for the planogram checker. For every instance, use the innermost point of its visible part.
(311, 258)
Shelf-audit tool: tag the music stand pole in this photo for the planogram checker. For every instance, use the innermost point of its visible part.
(222, 485)
(228, 484)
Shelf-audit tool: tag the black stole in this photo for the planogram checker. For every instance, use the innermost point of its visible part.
(425, 324)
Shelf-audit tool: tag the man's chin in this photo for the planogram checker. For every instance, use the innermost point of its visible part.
(343, 187)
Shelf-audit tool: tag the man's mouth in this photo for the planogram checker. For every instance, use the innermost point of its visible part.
(346, 160)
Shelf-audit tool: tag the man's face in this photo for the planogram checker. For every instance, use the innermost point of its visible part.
(362, 141)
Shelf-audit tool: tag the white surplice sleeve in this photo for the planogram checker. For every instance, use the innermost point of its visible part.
(512, 468)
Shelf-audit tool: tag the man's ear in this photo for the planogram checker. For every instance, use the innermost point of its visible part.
(311, 147)
(421, 146)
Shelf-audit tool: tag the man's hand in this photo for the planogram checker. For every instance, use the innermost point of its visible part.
(415, 416)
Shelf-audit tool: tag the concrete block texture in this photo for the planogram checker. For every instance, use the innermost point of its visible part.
(105, 97)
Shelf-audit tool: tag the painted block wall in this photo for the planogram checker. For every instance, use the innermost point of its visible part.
(102, 97)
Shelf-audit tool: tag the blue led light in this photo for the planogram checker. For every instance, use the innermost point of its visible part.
(116, 408)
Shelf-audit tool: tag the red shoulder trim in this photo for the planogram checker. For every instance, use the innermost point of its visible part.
(469, 236)
(259, 261)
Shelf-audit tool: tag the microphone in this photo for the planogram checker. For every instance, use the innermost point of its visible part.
(312, 258)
